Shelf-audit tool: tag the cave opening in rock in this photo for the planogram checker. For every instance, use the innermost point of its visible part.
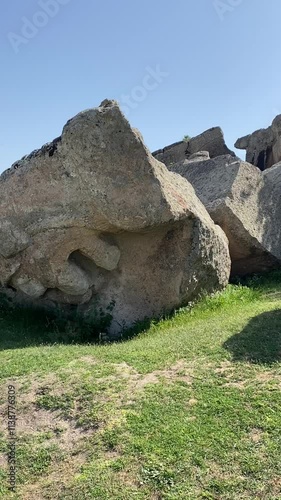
(264, 159)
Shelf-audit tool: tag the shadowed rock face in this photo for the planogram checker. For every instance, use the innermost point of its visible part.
(245, 203)
(172, 154)
(94, 216)
(210, 142)
(263, 147)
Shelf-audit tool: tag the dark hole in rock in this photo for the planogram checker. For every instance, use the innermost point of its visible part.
(95, 274)
(265, 159)
(261, 160)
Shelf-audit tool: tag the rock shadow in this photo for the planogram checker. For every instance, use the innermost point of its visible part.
(27, 326)
(260, 341)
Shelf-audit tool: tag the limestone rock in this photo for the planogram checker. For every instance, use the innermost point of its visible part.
(241, 200)
(96, 217)
(263, 147)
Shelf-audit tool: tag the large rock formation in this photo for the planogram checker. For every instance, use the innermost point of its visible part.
(263, 147)
(93, 215)
(243, 202)
(211, 141)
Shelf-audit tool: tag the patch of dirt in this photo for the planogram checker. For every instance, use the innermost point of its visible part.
(238, 385)
(34, 421)
(88, 360)
(262, 379)
(192, 402)
(274, 486)
(235, 378)
(56, 482)
(265, 377)
(111, 455)
(137, 381)
(221, 471)
(224, 368)
(256, 435)
(127, 479)
(26, 393)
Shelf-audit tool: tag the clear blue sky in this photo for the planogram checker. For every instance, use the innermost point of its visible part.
(217, 69)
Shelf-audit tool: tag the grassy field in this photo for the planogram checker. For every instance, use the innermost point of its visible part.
(190, 408)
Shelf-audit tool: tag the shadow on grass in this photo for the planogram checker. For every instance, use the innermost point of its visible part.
(266, 281)
(260, 341)
(23, 326)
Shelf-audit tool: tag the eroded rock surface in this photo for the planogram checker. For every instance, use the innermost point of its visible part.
(263, 147)
(93, 216)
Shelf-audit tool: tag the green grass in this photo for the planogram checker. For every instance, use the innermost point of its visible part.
(187, 408)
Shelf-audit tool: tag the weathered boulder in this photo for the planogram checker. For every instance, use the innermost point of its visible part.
(240, 199)
(172, 154)
(263, 147)
(210, 142)
(93, 216)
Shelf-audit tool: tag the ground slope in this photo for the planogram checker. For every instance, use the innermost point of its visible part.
(187, 409)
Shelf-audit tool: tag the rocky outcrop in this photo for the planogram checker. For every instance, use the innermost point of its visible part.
(172, 154)
(243, 202)
(210, 142)
(93, 216)
(263, 147)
